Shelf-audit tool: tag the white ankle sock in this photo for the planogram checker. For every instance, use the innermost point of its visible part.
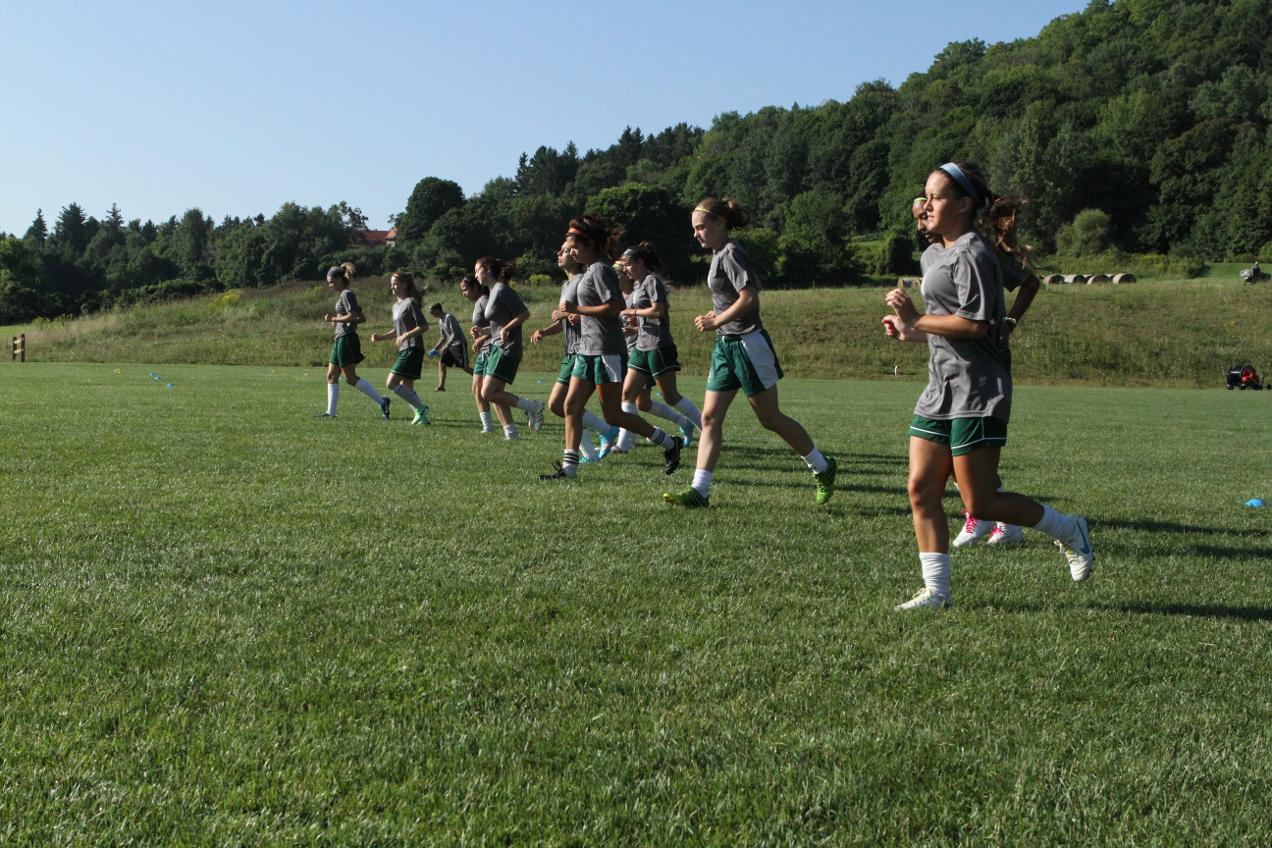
(690, 411)
(586, 447)
(333, 397)
(702, 482)
(408, 394)
(658, 437)
(510, 432)
(816, 462)
(594, 422)
(368, 390)
(486, 425)
(936, 572)
(662, 410)
(1057, 525)
(526, 405)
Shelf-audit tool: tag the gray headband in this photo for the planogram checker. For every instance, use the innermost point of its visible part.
(956, 174)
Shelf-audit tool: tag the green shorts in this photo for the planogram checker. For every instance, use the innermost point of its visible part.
(746, 362)
(654, 363)
(963, 435)
(346, 351)
(566, 369)
(501, 366)
(479, 364)
(602, 368)
(409, 362)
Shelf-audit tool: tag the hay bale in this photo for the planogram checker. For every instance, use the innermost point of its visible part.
(1118, 279)
(1074, 279)
(1096, 279)
(1053, 280)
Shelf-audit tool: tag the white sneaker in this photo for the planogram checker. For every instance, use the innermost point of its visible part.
(534, 418)
(1006, 534)
(973, 531)
(1078, 552)
(925, 599)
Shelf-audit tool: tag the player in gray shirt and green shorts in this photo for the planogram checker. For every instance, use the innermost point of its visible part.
(476, 294)
(506, 312)
(599, 365)
(960, 421)
(409, 325)
(742, 359)
(346, 350)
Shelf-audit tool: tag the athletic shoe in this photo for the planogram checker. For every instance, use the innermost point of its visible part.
(511, 437)
(325, 415)
(973, 530)
(440, 389)
(925, 599)
(689, 498)
(1078, 552)
(686, 433)
(671, 455)
(559, 474)
(826, 480)
(588, 460)
(421, 416)
(609, 441)
(384, 408)
(534, 418)
(1006, 534)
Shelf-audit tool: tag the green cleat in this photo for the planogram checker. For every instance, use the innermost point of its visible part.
(826, 481)
(421, 416)
(689, 498)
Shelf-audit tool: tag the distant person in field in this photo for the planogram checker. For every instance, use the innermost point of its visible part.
(477, 294)
(569, 328)
(506, 312)
(1016, 274)
(450, 344)
(960, 422)
(743, 357)
(653, 358)
(409, 325)
(346, 350)
(600, 364)
(624, 441)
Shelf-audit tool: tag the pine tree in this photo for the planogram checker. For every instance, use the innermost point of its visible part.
(38, 232)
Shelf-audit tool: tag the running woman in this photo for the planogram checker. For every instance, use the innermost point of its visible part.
(599, 365)
(960, 421)
(743, 356)
(506, 312)
(654, 359)
(477, 294)
(450, 342)
(346, 350)
(409, 325)
(569, 327)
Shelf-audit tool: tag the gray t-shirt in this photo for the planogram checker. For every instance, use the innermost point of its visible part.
(654, 332)
(967, 378)
(571, 331)
(729, 274)
(480, 320)
(503, 306)
(407, 315)
(346, 304)
(597, 287)
(450, 334)
(632, 299)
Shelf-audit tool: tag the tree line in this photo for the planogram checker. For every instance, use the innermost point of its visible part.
(1150, 117)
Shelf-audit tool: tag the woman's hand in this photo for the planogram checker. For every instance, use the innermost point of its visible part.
(897, 329)
(902, 305)
(706, 322)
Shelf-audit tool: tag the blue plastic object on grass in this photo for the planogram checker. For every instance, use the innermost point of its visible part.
(1254, 503)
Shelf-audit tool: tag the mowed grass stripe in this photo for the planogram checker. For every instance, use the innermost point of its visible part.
(225, 621)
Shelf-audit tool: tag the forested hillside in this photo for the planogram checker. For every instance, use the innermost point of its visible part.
(1149, 117)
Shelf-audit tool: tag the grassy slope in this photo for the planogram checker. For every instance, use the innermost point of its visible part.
(225, 622)
(1154, 333)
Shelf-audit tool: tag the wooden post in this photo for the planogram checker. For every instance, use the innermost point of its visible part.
(19, 348)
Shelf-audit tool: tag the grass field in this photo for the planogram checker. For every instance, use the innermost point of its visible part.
(225, 622)
(1168, 333)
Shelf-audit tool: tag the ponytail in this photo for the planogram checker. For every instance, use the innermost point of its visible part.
(502, 271)
(728, 210)
(345, 272)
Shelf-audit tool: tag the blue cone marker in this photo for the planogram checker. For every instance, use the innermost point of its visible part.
(1254, 503)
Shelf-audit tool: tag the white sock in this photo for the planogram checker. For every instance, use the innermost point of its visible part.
(816, 462)
(1057, 525)
(658, 437)
(587, 447)
(368, 390)
(333, 397)
(936, 573)
(690, 411)
(408, 394)
(570, 463)
(486, 425)
(662, 410)
(510, 432)
(527, 405)
(626, 437)
(594, 422)
(702, 482)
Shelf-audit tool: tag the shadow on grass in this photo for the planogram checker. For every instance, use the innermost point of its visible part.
(1189, 610)
(1149, 526)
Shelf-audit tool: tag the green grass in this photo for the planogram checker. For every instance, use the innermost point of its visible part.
(223, 621)
(1176, 333)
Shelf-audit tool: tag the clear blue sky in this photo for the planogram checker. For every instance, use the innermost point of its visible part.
(236, 107)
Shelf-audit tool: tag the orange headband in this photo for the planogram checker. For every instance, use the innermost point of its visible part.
(575, 231)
